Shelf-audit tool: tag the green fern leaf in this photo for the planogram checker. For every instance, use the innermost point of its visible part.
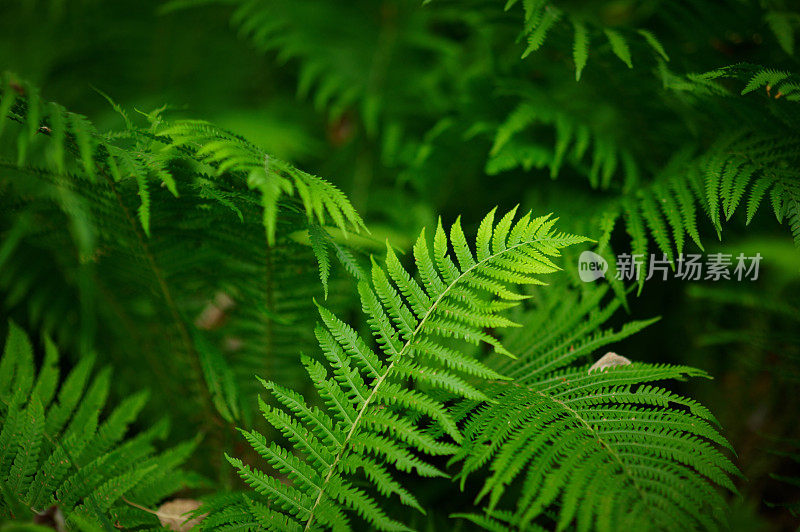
(619, 46)
(590, 448)
(367, 402)
(87, 467)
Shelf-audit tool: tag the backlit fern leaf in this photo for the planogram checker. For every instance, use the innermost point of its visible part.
(619, 46)
(749, 166)
(273, 178)
(193, 141)
(539, 23)
(615, 446)
(738, 173)
(366, 422)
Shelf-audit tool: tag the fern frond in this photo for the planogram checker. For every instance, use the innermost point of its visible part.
(366, 393)
(215, 151)
(225, 152)
(515, 142)
(777, 85)
(654, 43)
(736, 174)
(604, 447)
(580, 49)
(58, 452)
(540, 23)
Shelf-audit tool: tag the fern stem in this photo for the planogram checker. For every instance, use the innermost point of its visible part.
(164, 288)
(269, 301)
(180, 325)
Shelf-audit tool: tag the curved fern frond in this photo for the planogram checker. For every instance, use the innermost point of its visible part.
(612, 451)
(225, 152)
(746, 163)
(600, 449)
(738, 173)
(366, 422)
(778, 89)
(146, 162)
(55, 449)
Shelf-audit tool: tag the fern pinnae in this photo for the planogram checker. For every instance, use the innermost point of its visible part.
(562, 406)
(737, 189)
(655, 222)
(672, 213)
(636, 229)
(573, 347)
(226, 152)
(654, 43)
(580, 48)
(688, 212)
(542, 23)
(619, 45)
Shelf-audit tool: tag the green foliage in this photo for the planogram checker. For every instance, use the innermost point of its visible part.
(603, 448)
(372, 417)
(55, 449)
(224, 152)
(541, 16)
(162, 221)
(740, 170)
(141, 155)
(125, 202)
